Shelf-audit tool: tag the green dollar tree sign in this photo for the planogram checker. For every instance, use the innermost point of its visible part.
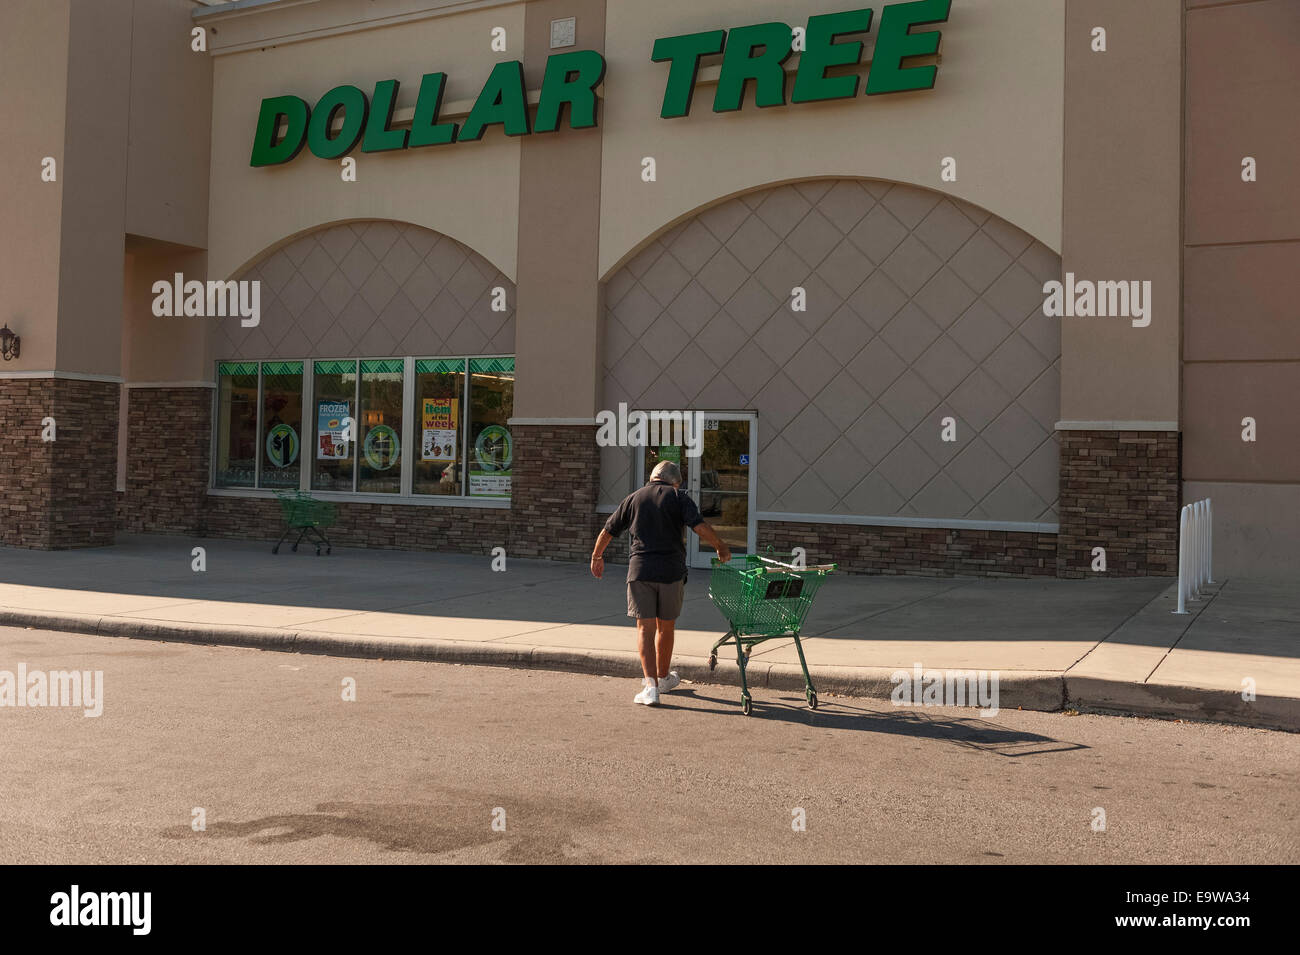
(767, 69)
(895, 44)
(684, 53)
(821, 52)
(504, 101)
(571, 78)
(425, 128)
(379, 137)
(267, 151)
(352, 102)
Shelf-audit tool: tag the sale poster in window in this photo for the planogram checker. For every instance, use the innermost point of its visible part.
(438, 417)
(332, 420)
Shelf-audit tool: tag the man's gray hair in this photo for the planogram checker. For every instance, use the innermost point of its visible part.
(667, 471)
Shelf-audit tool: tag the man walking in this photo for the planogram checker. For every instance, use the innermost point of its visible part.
(656, 570)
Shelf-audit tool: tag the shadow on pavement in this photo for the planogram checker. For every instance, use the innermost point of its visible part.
(970, 732)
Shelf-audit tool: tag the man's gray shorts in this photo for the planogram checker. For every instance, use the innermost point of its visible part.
(649, 598)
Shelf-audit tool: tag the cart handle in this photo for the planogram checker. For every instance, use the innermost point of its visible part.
(780, 568)
(777, 563)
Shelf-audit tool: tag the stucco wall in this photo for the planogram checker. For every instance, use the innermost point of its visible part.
(33, 72)
(1122, 207)
(94, 188)
(559, 232)
(113, 93)
(996, 108)
(170, 125)
(469, 191)
(1241, 280)
(162, 349)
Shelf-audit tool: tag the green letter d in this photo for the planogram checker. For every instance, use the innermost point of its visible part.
(268, 152)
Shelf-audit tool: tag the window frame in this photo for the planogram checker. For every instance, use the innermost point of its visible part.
(214, 442)
(356, 405)
(403, 448)
(469, 420)
(410, 424)
(418, 414)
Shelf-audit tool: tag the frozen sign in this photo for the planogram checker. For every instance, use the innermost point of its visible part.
(333, 427)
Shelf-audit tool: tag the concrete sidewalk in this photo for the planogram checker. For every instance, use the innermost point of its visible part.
(1107, 644)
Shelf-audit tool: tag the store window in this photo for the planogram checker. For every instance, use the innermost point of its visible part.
(280, 443)
(490, 450)
(334, 396)
(439, 403)
(236, 457)
(380, 424)
(344, 421)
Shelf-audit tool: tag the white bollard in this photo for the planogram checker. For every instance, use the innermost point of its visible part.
(1209, 542)
(1195, 551)
(1184, 521)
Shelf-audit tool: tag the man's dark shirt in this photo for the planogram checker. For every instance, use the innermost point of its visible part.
(656, 515)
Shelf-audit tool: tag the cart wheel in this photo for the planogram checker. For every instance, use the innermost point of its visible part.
(746, 705)
(812, 700)
(327, 551)
(748, 650)
(713, 661)
(275, 549)
(317, 551)
(294, 548)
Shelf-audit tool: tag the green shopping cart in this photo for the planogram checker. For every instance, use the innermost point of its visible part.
(306, 515)
(764, 599)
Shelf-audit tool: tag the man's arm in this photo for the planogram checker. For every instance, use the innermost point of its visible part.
(598, 561)
(707, 534)
(692, 518)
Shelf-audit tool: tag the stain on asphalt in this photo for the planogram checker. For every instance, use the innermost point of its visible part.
(536, 831)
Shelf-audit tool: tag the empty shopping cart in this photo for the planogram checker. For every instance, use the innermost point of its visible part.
(764, 598)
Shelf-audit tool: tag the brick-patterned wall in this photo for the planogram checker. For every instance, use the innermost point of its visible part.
(167, 452)
(554, 492)
(552, 514)
(60, 493)
(919, 551)
(84, 479)
(469, 530)
(1119, 490)
(26, 462)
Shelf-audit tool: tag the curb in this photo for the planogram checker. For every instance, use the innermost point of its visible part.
(1164, 701)
(1018, 689)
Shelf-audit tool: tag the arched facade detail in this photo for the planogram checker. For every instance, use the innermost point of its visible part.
(919, 307)
(375, 288)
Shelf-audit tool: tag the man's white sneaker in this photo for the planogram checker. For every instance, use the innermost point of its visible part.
(670, 682)
(649, 696)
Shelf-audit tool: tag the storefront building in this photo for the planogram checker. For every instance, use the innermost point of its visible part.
(829, 233)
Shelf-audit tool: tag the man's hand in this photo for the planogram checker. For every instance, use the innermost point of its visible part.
(597, 558)
(710, 536)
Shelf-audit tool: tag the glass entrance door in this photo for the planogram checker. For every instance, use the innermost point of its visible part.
(722, 481)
